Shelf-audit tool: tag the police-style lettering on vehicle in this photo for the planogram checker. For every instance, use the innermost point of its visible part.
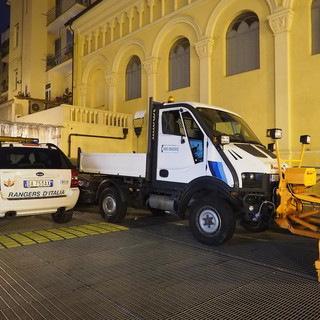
(36, 178)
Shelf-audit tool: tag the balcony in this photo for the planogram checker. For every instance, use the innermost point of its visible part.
(58, 16)
(56, 12)
(60, 58)
(86, 126)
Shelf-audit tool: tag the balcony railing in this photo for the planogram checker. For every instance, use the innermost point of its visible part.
(56, 12)
(101, 117)
(59, 57)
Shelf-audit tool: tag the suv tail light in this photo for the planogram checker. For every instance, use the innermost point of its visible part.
(74, 179)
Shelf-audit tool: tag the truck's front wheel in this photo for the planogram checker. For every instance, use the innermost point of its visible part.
(212, 222)
(111, 207)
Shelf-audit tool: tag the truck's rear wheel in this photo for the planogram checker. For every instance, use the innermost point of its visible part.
(212, 222)
(111, 207)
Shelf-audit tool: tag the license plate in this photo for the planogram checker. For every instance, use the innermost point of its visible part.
(37, 183)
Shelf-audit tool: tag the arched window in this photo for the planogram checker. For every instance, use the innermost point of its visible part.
(179, 65)
(315, 17)
(243, 48)
(133, 79)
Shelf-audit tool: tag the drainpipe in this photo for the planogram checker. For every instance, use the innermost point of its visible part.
(124, 130)
(72, 64)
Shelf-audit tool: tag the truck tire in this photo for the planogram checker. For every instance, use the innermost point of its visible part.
(112, 208)
(212, 222)
(62, 216)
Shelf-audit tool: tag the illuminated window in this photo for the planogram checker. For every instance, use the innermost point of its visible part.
(179, 65)
(243, 48)
(133, 79)
(315, 17)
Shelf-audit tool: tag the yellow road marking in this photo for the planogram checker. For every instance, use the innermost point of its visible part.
(42, 236)
(8, 242)
(84, 230)
(98, 229)
(22, 239)
(74, 232)
(36, 237)
(51, 236)
(62, 233)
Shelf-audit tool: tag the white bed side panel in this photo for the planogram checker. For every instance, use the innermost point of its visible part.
(123, 164)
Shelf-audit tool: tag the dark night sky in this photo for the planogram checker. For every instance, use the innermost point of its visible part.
(4, 15)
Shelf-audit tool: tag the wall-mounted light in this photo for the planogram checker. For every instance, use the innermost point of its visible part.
(138, 117)
(19, 81)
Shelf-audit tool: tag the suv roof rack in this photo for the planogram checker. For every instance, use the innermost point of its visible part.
(18, 140)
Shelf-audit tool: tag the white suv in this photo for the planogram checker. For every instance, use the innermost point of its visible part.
(36, 179)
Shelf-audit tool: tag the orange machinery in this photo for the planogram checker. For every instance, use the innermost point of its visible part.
(298, 210)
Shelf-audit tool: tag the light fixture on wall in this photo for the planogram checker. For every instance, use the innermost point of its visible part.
(138, 117)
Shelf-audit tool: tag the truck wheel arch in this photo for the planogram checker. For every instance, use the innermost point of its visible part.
(113, 183)
(201, 187)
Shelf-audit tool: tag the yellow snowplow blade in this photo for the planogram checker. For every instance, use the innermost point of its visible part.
(304, 176)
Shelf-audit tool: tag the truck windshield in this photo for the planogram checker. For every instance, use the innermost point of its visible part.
(224, 123)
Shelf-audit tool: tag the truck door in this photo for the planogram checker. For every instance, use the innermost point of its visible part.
(181, 147)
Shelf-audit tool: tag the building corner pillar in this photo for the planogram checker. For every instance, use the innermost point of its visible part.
(111, 79)
(204, 50)
(151, 68)
(280, 23)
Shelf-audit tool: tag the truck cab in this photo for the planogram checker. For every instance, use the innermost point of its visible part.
(197, 140)
(215, 158)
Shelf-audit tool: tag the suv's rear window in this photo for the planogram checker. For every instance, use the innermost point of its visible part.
(32, 158)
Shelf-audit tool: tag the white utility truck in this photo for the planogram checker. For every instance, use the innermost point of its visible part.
(202, 162)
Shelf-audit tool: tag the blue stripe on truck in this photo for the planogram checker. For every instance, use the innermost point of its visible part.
(216, 169)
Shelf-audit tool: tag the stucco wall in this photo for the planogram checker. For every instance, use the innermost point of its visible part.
(273, 95)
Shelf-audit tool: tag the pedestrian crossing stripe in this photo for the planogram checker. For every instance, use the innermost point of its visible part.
(63, 233)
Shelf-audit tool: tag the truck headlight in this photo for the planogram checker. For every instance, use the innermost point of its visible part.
(248, 176)
(251, 179)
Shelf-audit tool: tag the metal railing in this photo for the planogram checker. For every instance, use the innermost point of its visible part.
(59, 57)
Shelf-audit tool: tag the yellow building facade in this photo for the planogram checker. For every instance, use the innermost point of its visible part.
(279, 90)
